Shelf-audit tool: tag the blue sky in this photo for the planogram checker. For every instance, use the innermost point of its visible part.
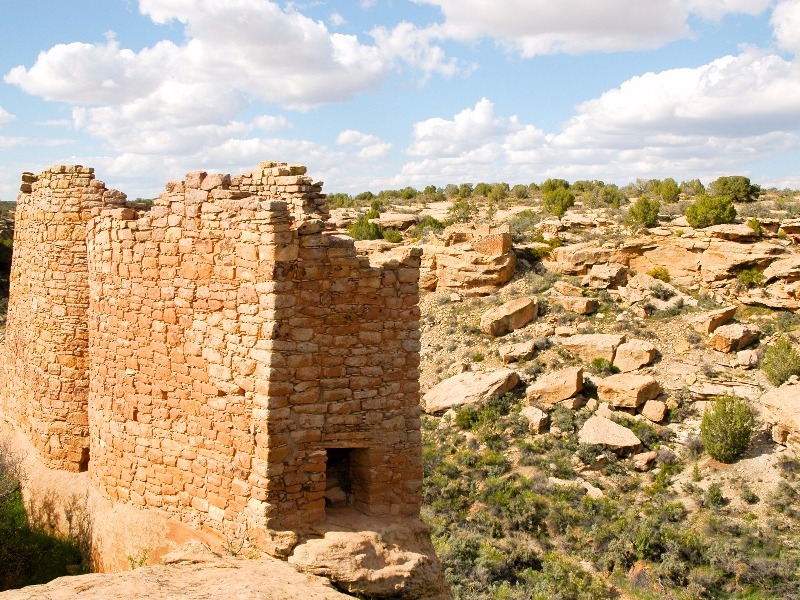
(376, 94)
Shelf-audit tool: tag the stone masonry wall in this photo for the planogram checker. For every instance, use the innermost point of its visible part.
(233, 344)
(44, 358)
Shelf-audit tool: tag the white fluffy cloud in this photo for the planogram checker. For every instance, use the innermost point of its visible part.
(786, 24)
(5, 117)
(718, 117)
(351, 137)
(536, 27)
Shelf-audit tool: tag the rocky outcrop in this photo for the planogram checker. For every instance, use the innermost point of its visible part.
(634, 354)
(556, 386)
(589, 346)
(781, 413)
(576, 304)
(607, 276)
(507, 317)
(732, 337)
(468, 388)
(578, 259)
(723, 259)
(654, 410)
(191, 573)
(604, 432)
(519, 351)
(627, 390)
(537, 418)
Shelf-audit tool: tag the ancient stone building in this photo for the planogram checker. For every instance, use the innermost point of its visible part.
(219, 355)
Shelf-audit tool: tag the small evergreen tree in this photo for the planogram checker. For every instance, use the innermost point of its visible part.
(781, 361)
(726, 428)
(708, 211)
(557, 201)
(644, 213)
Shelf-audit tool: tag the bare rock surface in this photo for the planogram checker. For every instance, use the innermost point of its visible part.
(706, 323)
(191, 573)
(654, 410)
(634, 354)
(733, 337)
(518, 351)
(537, 418)
(604, 432)
(470, 387)
(556, 386)
(509, 316)
(781, 412)
(627, 390)
(382, 558)
(589, 346)
(608, 276)
(577, 304)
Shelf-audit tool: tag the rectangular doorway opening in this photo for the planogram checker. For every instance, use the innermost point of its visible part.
(338, 478)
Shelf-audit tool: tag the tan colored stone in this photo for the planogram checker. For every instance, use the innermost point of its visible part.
(576, 304)
(518, 351)
(654, 410)
(556, 386)
(590, 346)
(608, 276)
(781, 413)
(512, 315)
(706, 323)
(634, 354)
(644, 460)
(627, 390)
(733, 337)
(537, 419)
(604, 432)
(468, 388)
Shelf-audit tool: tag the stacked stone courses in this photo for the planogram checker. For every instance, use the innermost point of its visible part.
(206, 356)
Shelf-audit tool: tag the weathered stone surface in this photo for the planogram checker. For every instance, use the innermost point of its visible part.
(512, 315)
(519, 351)
(644, 460)
(634, 354)
(589, 346)
(737, 232)
(397, 220)
(556, 386)
(706, 323)
(781, 412)
(747, 359)
(576, 304)
(733, 337)
(578, 259)
(564, 288)
(604, 432)
(654, 410)
(468, 388)
(723, 259)
(194, 573)
(395, 560)
(537, 418)
(627, 390)
(608, 276)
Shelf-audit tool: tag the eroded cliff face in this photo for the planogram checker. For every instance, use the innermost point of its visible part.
(217, 363)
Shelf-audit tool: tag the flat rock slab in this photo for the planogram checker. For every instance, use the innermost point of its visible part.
(627, 390)
(781, 412)
(519, 351)
(604, 432)
(590, 346)
(576, 304)
(708, 322)
(556, 386)
(468, 388)
(509, 316)
(537, 418)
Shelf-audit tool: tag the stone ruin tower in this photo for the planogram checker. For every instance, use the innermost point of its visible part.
(219, 356)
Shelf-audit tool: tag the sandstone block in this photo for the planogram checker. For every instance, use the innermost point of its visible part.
(654, 410)
(589, 346)
(519, 351)
(608, 276)
(555, 387)
(468, 388)
(509, 316)
(708, 322)
(627, 390)
(634, 354)
(604, 432)
(537, 419)
(576, 304)
(780, 408)
(733, 337)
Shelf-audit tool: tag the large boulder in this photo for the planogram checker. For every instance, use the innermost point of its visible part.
(589, 346)
(396, 220)
(706, 323)
(609, 276)
(468, 388)
(634, 354)
(723, 259)
(604, 432)
(576, 304)
(537, 418)
(733, 337)
(509, 316)
(519, 351)
(627, 390)
(781, 413)
(386, 558)
(556, 386)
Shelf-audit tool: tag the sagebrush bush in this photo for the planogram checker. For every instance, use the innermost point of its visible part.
(659, 273)
(711, 211)
(726, 428)
(780, 362)
(751, 278)
(392, 235)
(364, 230)
(644, 213)
(558, 201)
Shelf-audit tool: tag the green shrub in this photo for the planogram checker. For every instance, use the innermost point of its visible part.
(714, 496)
(644, 213)
(780, 362)
(749, 495)
(392, 235)
(364, 230)
(708, 211)
(736, 187)
(755, 225)
(427, 224)
(603, 366)
(659, 273)
(462, 211)
(751, 278)
(558, 201)
(726, 428)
